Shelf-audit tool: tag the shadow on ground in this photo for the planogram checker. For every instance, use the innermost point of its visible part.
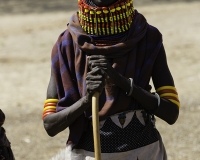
(42, 6)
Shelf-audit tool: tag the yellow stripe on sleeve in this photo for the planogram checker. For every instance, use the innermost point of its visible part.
(165, 87)
(175, 102)
(169, 94)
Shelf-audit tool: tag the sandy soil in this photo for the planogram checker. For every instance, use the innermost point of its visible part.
(26, 40)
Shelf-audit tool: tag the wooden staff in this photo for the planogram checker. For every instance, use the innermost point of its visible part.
(95, 123)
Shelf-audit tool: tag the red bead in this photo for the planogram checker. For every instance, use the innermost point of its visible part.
(50, 104)
(49, 110)
(86, 6)
(44, 115)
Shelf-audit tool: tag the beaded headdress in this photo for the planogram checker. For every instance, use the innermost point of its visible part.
(114, 19)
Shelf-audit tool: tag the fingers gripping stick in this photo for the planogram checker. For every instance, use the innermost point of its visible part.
(95, 123)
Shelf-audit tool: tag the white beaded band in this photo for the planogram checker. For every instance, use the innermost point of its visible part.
(131, 87)
(158, 97)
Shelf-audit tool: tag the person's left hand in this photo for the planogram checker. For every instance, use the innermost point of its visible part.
(102, 62)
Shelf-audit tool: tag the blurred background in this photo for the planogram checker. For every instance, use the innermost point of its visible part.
(28, 31)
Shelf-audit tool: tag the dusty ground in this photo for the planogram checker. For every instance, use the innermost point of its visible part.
(26, 40)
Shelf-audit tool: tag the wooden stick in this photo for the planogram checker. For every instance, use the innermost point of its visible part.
(95, 123)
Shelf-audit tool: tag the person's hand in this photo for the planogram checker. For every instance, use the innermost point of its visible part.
(95, 82)
(102, 62)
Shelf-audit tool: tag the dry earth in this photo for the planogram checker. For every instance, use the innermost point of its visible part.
(27, 34)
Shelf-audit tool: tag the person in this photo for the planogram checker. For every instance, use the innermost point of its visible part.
(5, 148)
(108, 47)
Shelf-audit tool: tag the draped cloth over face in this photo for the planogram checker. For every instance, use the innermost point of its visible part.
(133, 58)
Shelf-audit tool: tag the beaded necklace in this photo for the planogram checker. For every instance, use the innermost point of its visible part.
(107, 40)
(111, 20)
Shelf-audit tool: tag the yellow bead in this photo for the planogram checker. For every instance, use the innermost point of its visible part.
(108, 32)
(98, 19)
(103, 29)
(91, 12)
(88, 28)
(106, 19)
(118, 8)
(105, 11)
(84, 27)
(51, 101)
(127, 13)
(112, 10)
(91, 30)
(123, 29)
(49, 107)
(124, 15)
(95, 31)
(86, 10)
(98, 12)
(124, 7)
(116, 30)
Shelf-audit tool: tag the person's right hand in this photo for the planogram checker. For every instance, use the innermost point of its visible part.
(95, 82)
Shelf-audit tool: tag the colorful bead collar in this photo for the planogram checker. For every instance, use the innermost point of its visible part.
(110, 20)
